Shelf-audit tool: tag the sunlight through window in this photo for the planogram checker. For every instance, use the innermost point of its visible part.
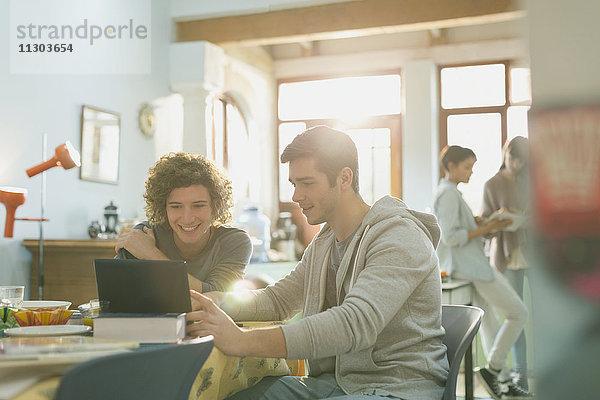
(482, 134)
(348, 99)
(473, 86)
(520, 85)
(287, 133)
(374, 175)
(517, 121)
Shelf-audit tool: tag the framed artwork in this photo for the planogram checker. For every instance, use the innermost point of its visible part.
(100, 139)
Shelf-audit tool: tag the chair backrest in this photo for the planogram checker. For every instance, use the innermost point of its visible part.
(461, 324)
(166, 372)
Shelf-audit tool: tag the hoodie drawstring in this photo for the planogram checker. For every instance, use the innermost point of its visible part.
(353, 277)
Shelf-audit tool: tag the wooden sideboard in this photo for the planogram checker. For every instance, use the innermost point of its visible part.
(68, 268)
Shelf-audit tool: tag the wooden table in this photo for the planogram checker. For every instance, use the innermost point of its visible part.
(68, 268)
(220, 375)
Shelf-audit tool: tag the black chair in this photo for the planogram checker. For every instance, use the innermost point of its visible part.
(461, 324)
(165, 372)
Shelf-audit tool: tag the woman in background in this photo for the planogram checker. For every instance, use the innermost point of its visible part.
(508, 190)
(461, 252)
(188, 203)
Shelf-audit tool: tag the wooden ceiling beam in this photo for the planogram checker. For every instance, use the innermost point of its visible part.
(346, 19)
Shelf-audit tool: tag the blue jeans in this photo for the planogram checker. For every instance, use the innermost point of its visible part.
(516, 278)
(303, 388)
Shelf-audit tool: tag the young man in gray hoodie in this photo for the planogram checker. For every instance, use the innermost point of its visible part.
(368, 286)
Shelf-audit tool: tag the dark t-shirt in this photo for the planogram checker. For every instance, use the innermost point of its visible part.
(221, 263)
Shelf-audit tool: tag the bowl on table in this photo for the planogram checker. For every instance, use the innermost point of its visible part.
(45, 305)
(43, 312)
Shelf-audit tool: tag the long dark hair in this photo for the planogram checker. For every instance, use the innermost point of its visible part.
(517, 147)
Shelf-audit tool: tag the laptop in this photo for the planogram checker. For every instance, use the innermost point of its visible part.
(142, 286)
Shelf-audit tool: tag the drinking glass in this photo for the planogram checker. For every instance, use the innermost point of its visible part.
(11, 296)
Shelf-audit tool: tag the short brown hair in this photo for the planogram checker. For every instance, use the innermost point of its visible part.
(180, 170)
(331, 149)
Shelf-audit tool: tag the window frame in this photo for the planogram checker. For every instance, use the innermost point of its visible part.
(502, 109)
(393, 122)
(225, 99)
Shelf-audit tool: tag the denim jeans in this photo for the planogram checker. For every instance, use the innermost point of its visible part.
(302, 388)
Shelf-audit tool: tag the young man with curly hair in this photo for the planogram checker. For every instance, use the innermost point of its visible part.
(368, 286)
(188, 203)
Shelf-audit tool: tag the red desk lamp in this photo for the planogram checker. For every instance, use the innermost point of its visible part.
(12, 198)
(66, 156)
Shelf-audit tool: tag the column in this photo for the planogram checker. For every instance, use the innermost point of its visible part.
(420, 172)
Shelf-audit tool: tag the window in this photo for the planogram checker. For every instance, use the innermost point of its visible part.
(481, 107)
(229, 145)
(365, 107)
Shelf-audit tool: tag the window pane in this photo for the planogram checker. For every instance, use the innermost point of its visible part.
(374, 162)
(287, 133)
(520, 85)
(481, 133)
(342, 98)
(239, 154)
(215, 148)
(517, 121)
(473, 86)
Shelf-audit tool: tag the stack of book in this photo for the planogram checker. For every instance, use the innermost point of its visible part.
(142, 328)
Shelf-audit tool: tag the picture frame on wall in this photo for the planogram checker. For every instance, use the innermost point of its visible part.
(100, 145)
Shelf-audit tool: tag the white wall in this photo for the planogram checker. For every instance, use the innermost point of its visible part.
(254, 90)
(199, 72)
(33, 104)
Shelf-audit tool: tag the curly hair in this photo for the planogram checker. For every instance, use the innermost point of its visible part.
(180, 170)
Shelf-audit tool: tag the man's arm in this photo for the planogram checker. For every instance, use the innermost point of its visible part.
(141, 243)
(194, 283)
(233, 250)
(230, 338)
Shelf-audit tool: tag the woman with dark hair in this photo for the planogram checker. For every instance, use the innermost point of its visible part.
(508, 190)
(188, 203)
(461, 253)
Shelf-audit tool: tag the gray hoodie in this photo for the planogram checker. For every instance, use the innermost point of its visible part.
(386, 333)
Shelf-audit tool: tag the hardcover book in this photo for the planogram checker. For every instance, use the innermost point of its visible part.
(142, 328)
(518, 220)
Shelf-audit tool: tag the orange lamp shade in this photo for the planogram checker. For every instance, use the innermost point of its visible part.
(12, 198)
(65, 155)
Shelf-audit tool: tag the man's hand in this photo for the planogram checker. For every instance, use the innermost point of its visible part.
(211, 320)
(216, 297)
(140, 243)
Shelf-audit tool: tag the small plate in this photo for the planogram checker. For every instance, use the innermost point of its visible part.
(48, 330)
(33, 304)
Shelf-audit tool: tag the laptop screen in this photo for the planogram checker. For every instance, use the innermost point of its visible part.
(142, 286)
